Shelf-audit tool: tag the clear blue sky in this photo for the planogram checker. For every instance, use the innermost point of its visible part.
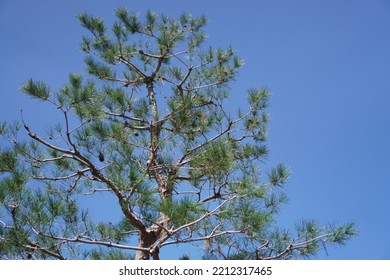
(326, 62)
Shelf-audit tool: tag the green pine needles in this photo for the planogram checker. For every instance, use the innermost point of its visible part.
(149, 127)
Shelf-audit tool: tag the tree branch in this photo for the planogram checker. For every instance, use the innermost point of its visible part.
(92, 241)
(79, 172)
(35, 246)
(188, 225)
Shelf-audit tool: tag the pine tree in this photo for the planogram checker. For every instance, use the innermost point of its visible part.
(148, 127)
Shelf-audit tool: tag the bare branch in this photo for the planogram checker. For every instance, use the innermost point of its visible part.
(52, 159)
(188, 225)
(78, 173)
(89, 240)
(202, 238)
(294, 246)
(36, 246)
(47, 144)
(132, 66)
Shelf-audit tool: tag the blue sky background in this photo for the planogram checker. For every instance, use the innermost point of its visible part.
(326, 62)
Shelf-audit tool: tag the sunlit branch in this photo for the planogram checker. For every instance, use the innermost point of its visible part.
(59, 178)
(89, 240)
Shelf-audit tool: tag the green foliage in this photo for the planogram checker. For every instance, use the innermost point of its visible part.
(185, 258)
(8, 161)
(98, 69)
(36, 89)
(181, 212)
(278, 175)
(215, 159)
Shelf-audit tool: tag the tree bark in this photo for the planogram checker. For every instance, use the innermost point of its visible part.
(146, 240)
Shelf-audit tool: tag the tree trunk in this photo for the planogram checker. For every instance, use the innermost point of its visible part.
(146, 241)
(158, 230)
